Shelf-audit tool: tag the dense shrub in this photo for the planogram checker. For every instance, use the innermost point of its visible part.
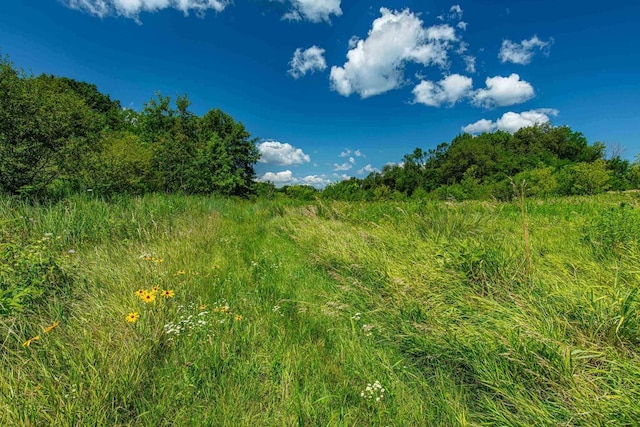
(30, 270)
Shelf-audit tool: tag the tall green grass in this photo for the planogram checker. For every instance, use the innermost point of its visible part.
(297, 310)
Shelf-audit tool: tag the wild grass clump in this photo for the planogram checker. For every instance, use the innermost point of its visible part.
(614, 231)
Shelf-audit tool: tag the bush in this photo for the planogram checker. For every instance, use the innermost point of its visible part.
(29, 271)
(538, 182)
(585, 178)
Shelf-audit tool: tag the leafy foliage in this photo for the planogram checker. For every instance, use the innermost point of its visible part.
(55, 130)
(44, 133)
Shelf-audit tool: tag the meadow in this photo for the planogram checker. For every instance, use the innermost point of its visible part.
(165, 310)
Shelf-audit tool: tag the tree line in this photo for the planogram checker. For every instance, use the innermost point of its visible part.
(548, 160)
(59, 135)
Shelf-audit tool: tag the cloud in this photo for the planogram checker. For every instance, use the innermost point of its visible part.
(392, 164)
(448, 91)
(279, 178)
(522, 53)
(511, 122)
(344, 166)
(462, 25)
(307, 61)
(341, 177)
(482, 125)
(503, 91)
(318, 181)
(277, 153)
(286, 177)
(368, 169)
(455, 12)
(313, 10)
(470, 63)
(133, 8)
(347, 152)
(376, 64)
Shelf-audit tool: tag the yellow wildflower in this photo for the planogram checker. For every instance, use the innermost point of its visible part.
(225, 309)
(132, 317)
(168, 293)
(148, 297)
(140, 293)
(52, 327)
(28, 342)
(155, 289)
(238, 317)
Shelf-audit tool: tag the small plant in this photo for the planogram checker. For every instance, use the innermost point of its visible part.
(374, 392)
(191, 318)
(29, 271)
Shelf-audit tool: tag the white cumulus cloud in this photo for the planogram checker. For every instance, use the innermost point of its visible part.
(448, 91)
(368, 169)
(313, 10)
(376, 64)
(279, 178)
(133, 8)
(512, 122)
(277, 153)
(318, 181)
(286, 177)
(503, 91)
(482, 125)
(522, 53)
(307, 61)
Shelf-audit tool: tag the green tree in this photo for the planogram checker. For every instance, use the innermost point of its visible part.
(229, 153)
(100, 103)
(585, 178)
(122, 166)
(620, 169)
(44, 133)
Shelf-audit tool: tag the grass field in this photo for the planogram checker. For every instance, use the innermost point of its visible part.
(321, 314)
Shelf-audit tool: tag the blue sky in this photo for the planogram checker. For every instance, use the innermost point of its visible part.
(340, 88)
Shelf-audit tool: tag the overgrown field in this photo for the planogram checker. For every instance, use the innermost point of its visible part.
(187, 311)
